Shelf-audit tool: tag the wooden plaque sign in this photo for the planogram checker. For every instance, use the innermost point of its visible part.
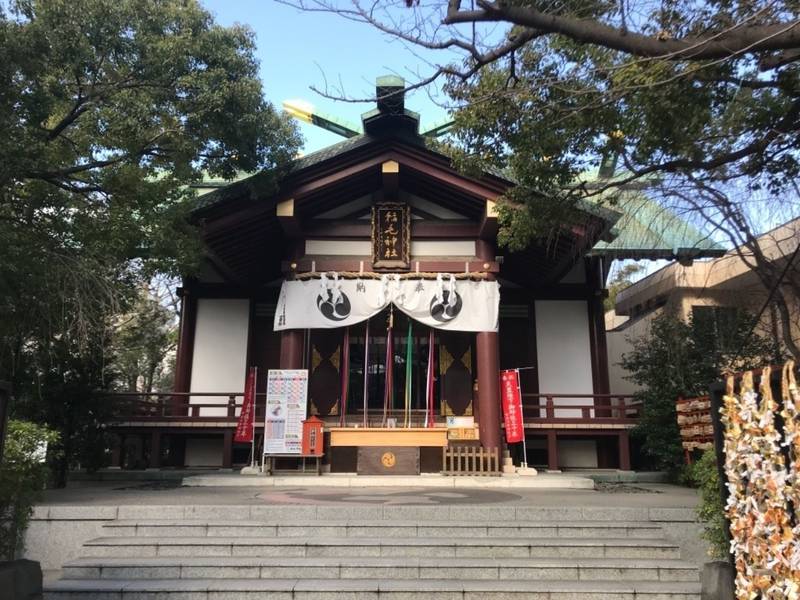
(391, 236)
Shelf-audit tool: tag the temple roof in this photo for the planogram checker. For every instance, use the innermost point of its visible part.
(246, 237)
(647, 229)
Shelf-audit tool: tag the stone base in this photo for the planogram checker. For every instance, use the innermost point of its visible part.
(22, 579)
(717, 581)
(516, 480)
(250, 471)
(527, 471)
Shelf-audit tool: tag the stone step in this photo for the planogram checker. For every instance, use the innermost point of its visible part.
(367, 589)
(144, 547)
(282, 528)
(557, 569)
(319, 513)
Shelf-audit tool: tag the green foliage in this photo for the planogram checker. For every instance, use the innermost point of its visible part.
(681, 359)
(142, 342)
(552, 108)
(109, 110)
(623, 277)
(23, 474)
(705, 476)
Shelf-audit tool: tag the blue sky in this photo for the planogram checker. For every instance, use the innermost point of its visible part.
(300, 49)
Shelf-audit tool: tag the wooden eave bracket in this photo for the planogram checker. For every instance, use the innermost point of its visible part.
(285, 213)
(489, 227)
(390, 174)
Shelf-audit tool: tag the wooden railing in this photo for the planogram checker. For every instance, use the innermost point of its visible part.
(580, 408)
(537, 408)
(470, 461)
(180, 405)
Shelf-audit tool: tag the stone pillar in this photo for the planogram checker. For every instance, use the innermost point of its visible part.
(488, 359)
(292, 349)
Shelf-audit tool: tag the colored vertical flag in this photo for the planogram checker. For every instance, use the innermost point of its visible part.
(366, 373)
(345, 373)
(430, 421)
(388, 392)
(409, 375)
(246, 424)
(512, 405)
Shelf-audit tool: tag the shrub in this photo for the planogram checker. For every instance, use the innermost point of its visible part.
(23, 475)
(678, 358)
(704, 475)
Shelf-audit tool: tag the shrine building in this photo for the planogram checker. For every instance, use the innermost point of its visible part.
(374, 264)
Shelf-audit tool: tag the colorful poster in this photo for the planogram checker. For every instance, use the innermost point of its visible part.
(287, 393)
(512, 405)
(246, 425)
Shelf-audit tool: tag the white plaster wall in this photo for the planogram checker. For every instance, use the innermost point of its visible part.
(619, 341)
(204, 452)
(220, 350)
(338, 247)
(418, 248)
(442, 248)
(563, 349)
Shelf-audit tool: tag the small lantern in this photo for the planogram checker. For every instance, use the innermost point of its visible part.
(312, 437)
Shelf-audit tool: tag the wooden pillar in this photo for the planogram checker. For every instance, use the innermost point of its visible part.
(552, 451)
(117, 441)
(185, 352)
(292, 349)
(597, 334)
(488, 359)
(227, 449)
(624, 451)
(155, 450)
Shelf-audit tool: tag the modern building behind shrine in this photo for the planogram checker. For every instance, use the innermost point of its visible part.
(378, 231)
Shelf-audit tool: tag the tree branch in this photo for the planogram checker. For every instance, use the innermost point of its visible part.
(734, 41)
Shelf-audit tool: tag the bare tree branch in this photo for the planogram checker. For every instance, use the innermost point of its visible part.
(737, 40)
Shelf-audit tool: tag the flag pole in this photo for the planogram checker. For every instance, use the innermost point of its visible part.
(253, 435)
(522, 418)
(409, 373)
(388, 392)
(345, 372)
(366, 372)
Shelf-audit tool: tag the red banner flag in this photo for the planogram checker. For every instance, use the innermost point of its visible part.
(512, 405)
(245, 426)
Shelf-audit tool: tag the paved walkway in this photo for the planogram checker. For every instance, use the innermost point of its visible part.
(171, 493)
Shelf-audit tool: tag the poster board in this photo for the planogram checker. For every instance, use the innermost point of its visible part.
(287, 394)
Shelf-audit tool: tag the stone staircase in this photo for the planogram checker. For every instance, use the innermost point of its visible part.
(294, 558)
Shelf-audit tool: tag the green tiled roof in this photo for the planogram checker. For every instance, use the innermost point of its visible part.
(646, 229)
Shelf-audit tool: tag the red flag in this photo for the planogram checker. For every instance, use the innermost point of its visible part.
(245, 426)
(512, 405)
(388, 369)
